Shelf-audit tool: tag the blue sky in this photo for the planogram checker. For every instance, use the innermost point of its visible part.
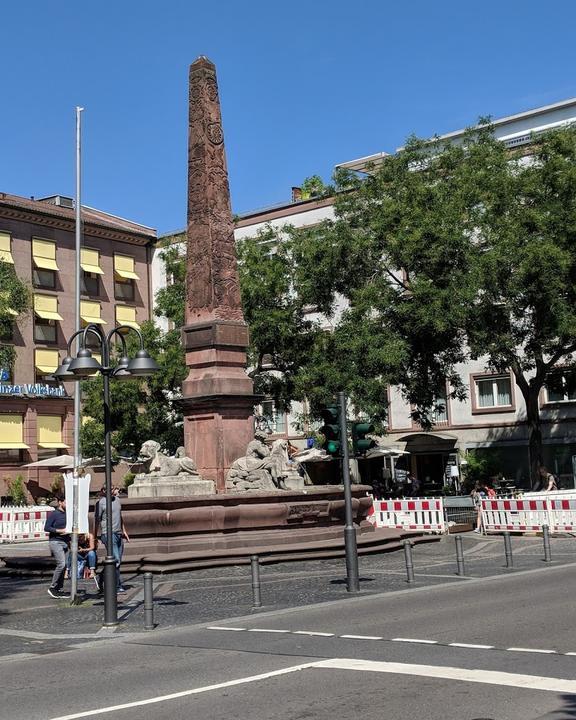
(303, 85)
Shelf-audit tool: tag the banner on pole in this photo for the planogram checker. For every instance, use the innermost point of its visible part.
(83, 495)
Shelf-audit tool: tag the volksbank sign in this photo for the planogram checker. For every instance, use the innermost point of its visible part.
(28, 389)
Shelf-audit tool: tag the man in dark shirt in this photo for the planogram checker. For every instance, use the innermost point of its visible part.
(59, 541)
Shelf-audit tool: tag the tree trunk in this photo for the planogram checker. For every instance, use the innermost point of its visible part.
(534, 434)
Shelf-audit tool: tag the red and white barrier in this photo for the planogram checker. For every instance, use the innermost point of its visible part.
(563, 514)
(23, 524)
(515, 515)
(421, 514)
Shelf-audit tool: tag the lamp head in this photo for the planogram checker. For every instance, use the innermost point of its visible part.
(142, 364)
(121, 371)
(63, 371)
(84, 364)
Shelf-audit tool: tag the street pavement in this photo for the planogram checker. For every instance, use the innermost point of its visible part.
(498, 644)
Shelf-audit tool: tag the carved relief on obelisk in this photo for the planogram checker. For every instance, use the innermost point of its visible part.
(213, 290)
(218, 397)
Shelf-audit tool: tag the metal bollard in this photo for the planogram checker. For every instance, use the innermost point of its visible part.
(409, 564)
(547, 550)
(148, 602)
(255, 568)
(508, 550)
(459, 556)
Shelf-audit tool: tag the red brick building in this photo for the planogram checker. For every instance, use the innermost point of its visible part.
(38, 237)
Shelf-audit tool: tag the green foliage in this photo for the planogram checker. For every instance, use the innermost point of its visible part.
(481, 466)
(15, 301)
(445, 253)
(128, 479)
(17, 491)
(140, 409)
(313, 186)
(57, 485)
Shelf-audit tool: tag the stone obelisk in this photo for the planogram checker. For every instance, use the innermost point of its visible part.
(218, 399)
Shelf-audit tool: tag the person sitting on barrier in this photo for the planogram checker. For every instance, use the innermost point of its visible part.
(87, 558)
(549, 482)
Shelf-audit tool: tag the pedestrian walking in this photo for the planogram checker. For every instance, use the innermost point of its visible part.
(59, 542)
(478, 494)
(119, 534)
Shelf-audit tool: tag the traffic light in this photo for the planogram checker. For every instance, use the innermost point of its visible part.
(360, 443)
(331, 430)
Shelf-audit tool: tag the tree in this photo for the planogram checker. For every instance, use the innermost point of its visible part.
(443, 253)
(15, 300)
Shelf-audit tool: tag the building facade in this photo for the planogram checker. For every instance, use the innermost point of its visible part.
(492, 420)
(38, 238)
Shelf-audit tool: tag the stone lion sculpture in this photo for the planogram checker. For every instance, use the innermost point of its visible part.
(261, 468)
(156, 463)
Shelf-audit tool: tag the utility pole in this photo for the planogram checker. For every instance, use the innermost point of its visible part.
(77, 458)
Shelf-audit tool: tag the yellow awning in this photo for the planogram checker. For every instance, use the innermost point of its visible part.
(46, 307)
(124, 267)
(90, 312)
(50, 432)
(126, 316)
(5, 248)
(12, 432)
(44, 254)
(46, 361)
(90, 261)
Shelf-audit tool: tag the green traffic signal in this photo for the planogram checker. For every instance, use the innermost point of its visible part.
(360, 442)
(331, 430)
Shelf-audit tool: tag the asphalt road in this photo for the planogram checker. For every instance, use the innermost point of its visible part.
(500, 648)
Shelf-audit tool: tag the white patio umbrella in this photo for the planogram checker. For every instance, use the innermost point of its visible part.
(58, 461)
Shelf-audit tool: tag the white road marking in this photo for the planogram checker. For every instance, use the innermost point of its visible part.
(531, 650)
(232, 629)
(476, 647)
(490, 677)
(414, 640)
(270, 630)
(315, 634)
(184, 693)
(361, 637)
(570, 653)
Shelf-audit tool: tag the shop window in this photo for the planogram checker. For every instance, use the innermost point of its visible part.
(44, 278)
(123, 289)
(10, 457)
(561, 387)
(45, 331)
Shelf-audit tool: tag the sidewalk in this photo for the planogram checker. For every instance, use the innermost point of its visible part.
(31, 621)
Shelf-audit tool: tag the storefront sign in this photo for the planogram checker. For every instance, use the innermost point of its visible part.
(29, 389)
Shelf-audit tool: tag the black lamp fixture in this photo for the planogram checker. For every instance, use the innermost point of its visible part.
(84, 366)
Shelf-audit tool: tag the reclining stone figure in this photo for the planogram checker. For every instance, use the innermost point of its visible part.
(261, 468)
(156, 463)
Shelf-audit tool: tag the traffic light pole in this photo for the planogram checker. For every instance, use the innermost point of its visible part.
(352, 578)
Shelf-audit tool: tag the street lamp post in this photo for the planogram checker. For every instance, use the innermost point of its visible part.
(83, 366)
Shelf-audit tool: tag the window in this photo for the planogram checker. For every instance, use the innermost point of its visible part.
(44, 278)
(124, 267)
(45, 331)
(493, 392)
(12, 432)
(44, 254)
(90, 312)
(50, 432)
(90, 261)
(561, 387)
(90, 283)
(126, 316)
(6, 248)
(276, 419)
(46, 362)
(440, 414)
(10, 457)
(123, 289)
(46, 307)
